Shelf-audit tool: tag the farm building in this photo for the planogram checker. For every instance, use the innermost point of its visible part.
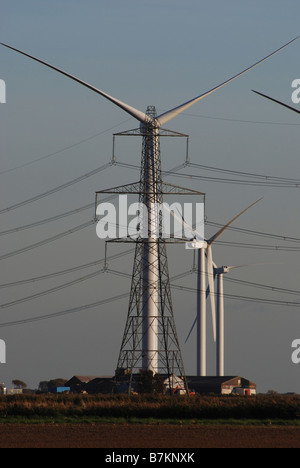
(221, 385)
(10, 391)
(104, 385)
(199, 385)
(78, 383)
(90, 384)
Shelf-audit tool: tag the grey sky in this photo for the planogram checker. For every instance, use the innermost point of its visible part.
(158, 53)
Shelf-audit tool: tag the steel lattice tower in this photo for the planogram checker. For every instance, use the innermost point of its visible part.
(150, 339)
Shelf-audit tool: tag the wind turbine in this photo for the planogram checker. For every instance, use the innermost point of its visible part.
(277, 102)
(150, 253)
(202, 294)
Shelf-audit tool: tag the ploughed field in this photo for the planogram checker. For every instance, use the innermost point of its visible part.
(117, 436)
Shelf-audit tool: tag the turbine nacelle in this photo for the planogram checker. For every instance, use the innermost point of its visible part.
(222, 270)
(196, 244)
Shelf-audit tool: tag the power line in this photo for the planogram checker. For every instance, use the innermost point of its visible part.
(263, 286)
(231, 296)
(126, 295)
(257, 285)
(237, 181)
(231, 228)
(253, 183)
(65, 312)
(63, 215)
(47, 241)
(226, 119)
(243, 174)
(277, 248)
(232, 244)
(47, 220)
(77, 309)
(67, 271)
(256, 122)
(58, 236)
(244, 298)
(52, 290)
(66, 148)
(257, 233)
(54, 218)
(56, 189)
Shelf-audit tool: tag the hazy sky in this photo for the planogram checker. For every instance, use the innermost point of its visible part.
(146, 52)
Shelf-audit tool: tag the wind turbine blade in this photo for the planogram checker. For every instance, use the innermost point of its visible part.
(277, 102)
(211, 282)
(142, 117)
(251, 265)
(163, 118)
(191, 330)
(236, 267)
(186, 225)
(195, 321)
(220, 232)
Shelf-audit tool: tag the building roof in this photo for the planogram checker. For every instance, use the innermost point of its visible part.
(82, 378)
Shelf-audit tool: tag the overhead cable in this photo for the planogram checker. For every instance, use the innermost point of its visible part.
(66, 148)
(66, 271)
(56, 189)
(47, 241)
(64, 312)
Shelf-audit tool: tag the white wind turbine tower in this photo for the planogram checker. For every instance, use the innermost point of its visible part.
(202, 294)
(151, 181)
(219, 273)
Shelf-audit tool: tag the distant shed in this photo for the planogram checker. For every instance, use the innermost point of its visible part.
(78, 383)
(221, 385)
(101, 385)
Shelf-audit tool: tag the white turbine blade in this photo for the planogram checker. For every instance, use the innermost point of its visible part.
(211, 282)
(195, 321)
(251, 265)
(236, 267)
(220, 232)
(163, 118)
(198, 238)
(277, 102)
(142, 117)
